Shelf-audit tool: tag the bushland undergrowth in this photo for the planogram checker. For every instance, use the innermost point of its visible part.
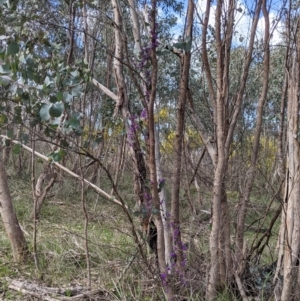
(116, 265)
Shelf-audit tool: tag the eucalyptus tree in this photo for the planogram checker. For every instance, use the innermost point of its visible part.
(291, 213)
(49, 63)
(37, 84)
(148, 195)
(256, 141)
(11, 223)
(287, 287)
(77, 68)
(226, 101)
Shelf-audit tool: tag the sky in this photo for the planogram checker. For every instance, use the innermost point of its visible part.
(243, 20)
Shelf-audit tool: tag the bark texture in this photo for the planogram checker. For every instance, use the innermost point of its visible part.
(11, 224)
(183, 88)
(292, 222)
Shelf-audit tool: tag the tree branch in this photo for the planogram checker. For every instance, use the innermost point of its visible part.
(68, 171)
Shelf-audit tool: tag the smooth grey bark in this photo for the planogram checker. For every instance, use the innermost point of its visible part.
(292, 222)
(10, 221)
(163, 202)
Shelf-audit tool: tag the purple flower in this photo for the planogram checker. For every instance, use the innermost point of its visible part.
(173, 255)
(132, 129)
(163, 278)
(147, 196)
(161, 181)
(144, 114)
(184, 247)
(176, 233)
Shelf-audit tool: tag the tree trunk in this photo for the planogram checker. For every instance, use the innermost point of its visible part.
(40, 192)
(11, 224)
(163, 202)
(225, 241)
(292, 222)
(183, 87)
(214, 273)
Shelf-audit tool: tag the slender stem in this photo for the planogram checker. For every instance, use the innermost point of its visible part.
(86, 223)
(35, 199)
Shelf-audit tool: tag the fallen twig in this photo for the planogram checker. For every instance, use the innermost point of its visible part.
(44, 293)
(65, 169)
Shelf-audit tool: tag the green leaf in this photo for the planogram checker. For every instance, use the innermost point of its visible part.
(74, 73)
(29, 61)
(74, 123)
(12, 48)
(17, 119)
(5, 69)
(19, 91)
(62, 152)
(53, 98)
(18, 110)
(58, 155)
(67, 97)
(48, 81)
(60, 96)
(37, 78)
(16, 149)
(181, 45)
(57, 78)
(56, 109)
(44, 112)
(12, 4)
(2, 30)
(55, 157)
(76, 91)
(5, 80)
(29, 74)
(10, 134)
(3, 119)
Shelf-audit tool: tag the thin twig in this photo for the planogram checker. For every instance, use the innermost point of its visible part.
(35, 256)
(86, 222)
(240, 287)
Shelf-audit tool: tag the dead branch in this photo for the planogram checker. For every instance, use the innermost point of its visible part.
(68, 171)
(32, 289)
